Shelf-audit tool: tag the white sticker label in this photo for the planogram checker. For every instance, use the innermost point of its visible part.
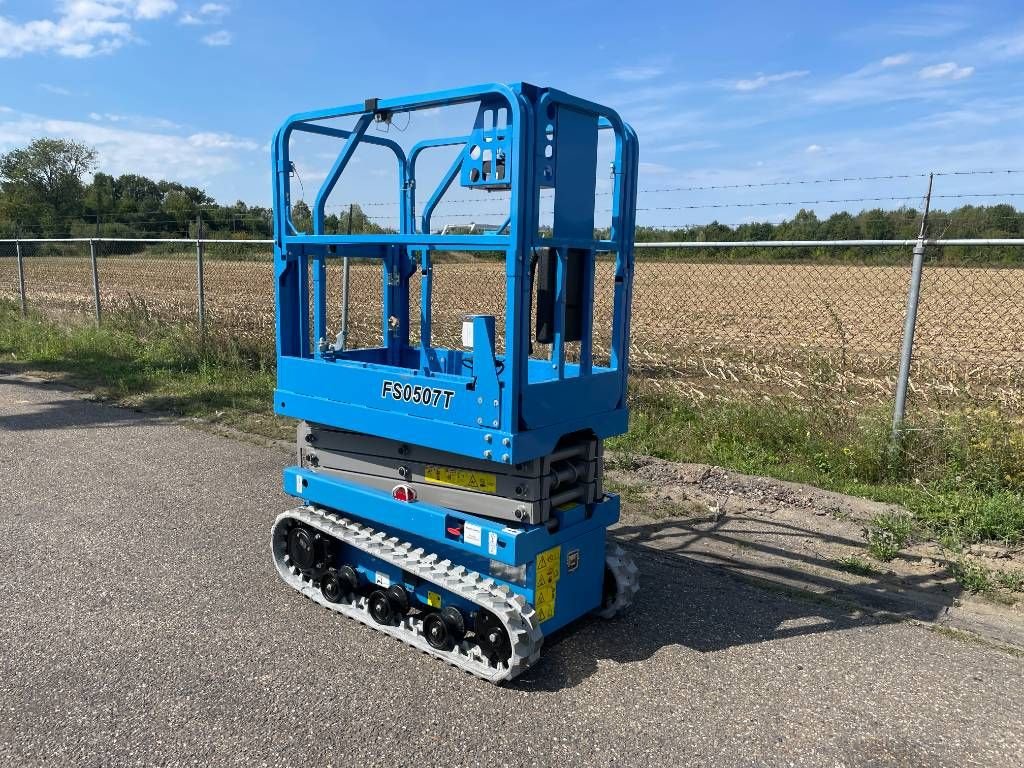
(298, 483)
(471, 534)
(492, 543)
(381, 579)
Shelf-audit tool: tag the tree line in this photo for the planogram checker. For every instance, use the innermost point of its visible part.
(46, 191)
(968, 221)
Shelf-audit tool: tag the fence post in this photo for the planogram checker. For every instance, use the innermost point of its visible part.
(95, 278)
(907, 347)
(21, 271)
(200, 286)
(343, 333)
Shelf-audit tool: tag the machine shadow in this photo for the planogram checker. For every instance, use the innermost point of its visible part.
(706, 602)
(67, 412)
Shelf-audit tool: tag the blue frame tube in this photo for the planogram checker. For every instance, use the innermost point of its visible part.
(336, 170)
(524, 405)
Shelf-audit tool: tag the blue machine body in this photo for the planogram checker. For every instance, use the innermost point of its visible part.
(490, 401)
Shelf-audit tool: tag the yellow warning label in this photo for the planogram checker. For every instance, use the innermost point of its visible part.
(545, 597)
(433, 600)
(549, 566)
(461, 478)
(549, 569)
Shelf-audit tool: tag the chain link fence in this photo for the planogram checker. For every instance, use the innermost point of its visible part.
(734, 326)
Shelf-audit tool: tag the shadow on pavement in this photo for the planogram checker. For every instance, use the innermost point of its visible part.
(70, 411)
(696, 591)
(706, 599)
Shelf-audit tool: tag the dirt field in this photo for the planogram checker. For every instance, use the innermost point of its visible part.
(802, 331)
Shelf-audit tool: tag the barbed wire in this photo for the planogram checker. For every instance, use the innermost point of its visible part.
(760, 204)
(836, 180)
(838, 201)
(744, 185)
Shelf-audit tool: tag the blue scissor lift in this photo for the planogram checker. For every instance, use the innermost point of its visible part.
(452, 497)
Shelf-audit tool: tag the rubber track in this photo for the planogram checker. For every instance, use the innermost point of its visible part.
(627, 580)
(516, 615)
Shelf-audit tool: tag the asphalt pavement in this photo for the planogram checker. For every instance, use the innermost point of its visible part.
(142, 623)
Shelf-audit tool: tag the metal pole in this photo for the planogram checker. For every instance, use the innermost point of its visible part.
(343, 333)
(199, 275)
(907, 348)
(95, 279)
(21, 270)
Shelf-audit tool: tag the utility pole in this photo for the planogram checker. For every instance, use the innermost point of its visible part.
(99, 201)
(913, 297)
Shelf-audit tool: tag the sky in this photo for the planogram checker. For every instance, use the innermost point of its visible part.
(721, 94)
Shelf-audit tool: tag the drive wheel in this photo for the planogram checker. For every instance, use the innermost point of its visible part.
(303, 547)
(492, 637)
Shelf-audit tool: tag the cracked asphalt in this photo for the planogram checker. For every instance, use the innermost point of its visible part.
(142, 623)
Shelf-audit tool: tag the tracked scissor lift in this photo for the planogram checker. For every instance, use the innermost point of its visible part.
(453, 498)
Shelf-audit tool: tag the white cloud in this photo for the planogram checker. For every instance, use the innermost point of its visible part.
(56, 90)
(220, 141)
(933, 20)
(896, 60)
(813, 149)
(154, 9)
(82, 28)
(159, 154)
(218, 38)
(142, 122)
(762, 80)
(637, 74)
(655, 169)
(208, 13)
(1003, 47)
(948, 70)
(885, 82)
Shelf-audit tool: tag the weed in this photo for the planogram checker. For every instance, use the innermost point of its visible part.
(888, 533)
(972, 576)
(960, 476)
(856, 565)
(1011, 580)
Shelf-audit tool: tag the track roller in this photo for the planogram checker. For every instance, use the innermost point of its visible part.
(445, 628)
(390, 605)
(339, 583)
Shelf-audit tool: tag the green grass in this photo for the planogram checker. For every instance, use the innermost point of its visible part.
(148, 366)
(960, 476)
(973, 576)
(976, 578)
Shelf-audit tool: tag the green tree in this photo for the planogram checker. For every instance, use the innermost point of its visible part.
(302, 217)
(178, 205)
(41, 184)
